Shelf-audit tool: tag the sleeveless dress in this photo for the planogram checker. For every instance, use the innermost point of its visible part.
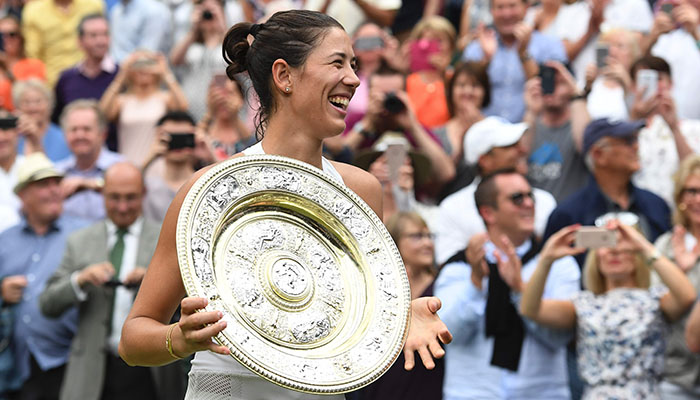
(218, 377)
(136, 126)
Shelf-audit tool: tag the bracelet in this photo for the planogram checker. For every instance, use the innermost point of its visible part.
(169, 342)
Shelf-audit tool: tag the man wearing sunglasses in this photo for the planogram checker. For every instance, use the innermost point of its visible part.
(496, 354)
(611, 153)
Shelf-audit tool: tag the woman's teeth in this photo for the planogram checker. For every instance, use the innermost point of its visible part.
(341, 102)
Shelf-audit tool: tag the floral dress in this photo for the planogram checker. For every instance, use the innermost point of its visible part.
(620, 343)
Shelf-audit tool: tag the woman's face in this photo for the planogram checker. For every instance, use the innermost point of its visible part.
(34, 104)
(467, 89)
(416, 246)
(366, 44)
(690, 199)
(322, 88)
(617, 262)
(620, 49)
(11, 37)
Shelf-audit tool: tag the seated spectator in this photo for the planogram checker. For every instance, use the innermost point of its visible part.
(85, 128)
(611, 152)
(619, 321)
(50, 33)
(692, 330)
(139, 25)
(34, 102)
(29, 255)
(91, 76)
(468, 92)
(99, 274)
(490, 145)
(674, 37)
(9, 160)
(225, 131)
(198, 54)
(178, 156)
(21, 67)
(142, 103)
(430, 48)
(666, 140)
(495, 353)
(610, 86)
(557, 121)
(682, 246)
(511, 54)
(415, 243)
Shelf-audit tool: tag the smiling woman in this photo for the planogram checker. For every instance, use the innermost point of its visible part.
(301, 64)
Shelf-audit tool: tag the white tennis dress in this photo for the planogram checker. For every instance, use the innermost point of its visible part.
(218, 377)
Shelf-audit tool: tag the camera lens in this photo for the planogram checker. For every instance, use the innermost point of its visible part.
(207, 15)
(393, 104)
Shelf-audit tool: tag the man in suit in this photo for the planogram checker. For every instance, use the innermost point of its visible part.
(102, 266)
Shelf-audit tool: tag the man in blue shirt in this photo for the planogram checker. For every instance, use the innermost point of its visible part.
(512, 53)
(139, 25)
(495, 353)
(30, 253)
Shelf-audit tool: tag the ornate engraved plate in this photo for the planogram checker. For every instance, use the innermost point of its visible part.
(312, 287)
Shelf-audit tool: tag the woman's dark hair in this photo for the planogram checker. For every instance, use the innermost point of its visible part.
(478, 73)
(287, 35)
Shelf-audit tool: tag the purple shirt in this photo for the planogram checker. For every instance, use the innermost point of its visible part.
(73, 84)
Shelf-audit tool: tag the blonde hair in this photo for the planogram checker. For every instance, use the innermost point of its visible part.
(632, 40)
(396, 225)
(434, 23)
(21, 87)
(690, 166)
(594, 280)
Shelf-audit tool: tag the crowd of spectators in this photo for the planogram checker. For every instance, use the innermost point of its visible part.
(498, 130)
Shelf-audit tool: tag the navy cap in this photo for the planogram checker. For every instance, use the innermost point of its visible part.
(605, 127)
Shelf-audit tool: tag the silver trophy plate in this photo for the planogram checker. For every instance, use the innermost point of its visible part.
(311, 285)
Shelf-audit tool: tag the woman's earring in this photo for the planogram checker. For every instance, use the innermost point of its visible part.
(286, 89)
(682, 206)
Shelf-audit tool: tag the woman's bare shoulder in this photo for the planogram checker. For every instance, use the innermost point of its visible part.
(363, 183)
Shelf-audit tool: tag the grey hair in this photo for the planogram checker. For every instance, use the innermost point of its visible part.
(21, 87)
(84, 104)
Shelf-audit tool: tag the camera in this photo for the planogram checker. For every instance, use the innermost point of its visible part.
(207, 15)
(9, 122)
(393, 104)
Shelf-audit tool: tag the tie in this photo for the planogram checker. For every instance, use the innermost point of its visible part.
(117, 253)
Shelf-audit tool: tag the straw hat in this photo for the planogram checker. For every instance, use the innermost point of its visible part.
(33, 168)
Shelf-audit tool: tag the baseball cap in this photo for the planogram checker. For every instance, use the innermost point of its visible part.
(605, 127)
(488, 133)
(33, 168)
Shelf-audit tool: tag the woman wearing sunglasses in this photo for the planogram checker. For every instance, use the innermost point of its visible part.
(619, 320)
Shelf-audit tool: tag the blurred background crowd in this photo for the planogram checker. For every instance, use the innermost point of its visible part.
(492, 125)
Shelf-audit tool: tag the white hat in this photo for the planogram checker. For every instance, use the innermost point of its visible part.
(33, 168)
(488, 133)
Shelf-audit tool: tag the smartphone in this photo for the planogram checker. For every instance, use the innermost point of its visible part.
(395, 158)
(420, 53)
(593, 237)
(601, 54)
(647, 80)
(368, 43)
(219, 80)
(547, 75)
(181, 141)
(667, 8)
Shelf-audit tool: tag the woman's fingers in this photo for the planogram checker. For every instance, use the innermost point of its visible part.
(409, 358)
(426, 358)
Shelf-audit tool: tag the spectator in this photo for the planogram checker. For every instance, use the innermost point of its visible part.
(666, 140)
(50, 32)
(37, 133)
(430, 48)
(611, 152)
(490, 145)
(142, 103)
(512, 358)
(351, 13)
(85, 128)
(557, 121)
(12, 8)
(692, 331)
(182, 15)
(179, 160)
(619, 321)
(682, 368)
(199, 54)
(225, 130)
(415, 243)
(411, 12)
(468, 92)
(9, 160)
(674, 37)
(92, 75)
(511, 55)
(564, 21)
(139, 25)
(21, 67)
(101, 269)
(29, 255)
(609, 90)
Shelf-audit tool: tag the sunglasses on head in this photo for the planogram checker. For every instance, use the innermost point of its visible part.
(518, 198)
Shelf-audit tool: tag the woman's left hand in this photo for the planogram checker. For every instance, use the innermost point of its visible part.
(685, 258)
(425, 333)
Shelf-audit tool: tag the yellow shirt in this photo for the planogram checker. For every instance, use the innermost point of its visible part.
(51, 33)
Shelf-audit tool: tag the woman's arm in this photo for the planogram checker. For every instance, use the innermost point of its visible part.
(177, 54)
(558, 314)
(692, 330)
(111, 101)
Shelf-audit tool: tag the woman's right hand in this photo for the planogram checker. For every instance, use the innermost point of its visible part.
(685, 258)
(561, 244)
(195, 330)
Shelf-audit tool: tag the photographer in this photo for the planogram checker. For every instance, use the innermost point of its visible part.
(390, 110)
(198, 54)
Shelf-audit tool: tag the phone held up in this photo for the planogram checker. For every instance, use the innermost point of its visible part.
(420, 53)
(547, 76)
(593, 237)
(647, 81)
(181, 141)
(601, 54)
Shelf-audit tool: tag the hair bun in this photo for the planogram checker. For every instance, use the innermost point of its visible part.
(235, 47)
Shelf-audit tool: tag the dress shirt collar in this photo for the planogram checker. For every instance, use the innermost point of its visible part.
(489, 248)
(133, 229)
(107, 65)
(55, 226)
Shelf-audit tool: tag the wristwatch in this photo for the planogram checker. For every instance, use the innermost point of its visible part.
(653, 257)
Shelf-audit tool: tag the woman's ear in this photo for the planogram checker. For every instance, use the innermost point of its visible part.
(282, 76)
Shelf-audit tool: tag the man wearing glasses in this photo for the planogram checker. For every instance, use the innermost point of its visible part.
(611, 153)
(495, 353)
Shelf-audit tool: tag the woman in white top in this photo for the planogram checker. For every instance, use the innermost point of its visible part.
(301, 64)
